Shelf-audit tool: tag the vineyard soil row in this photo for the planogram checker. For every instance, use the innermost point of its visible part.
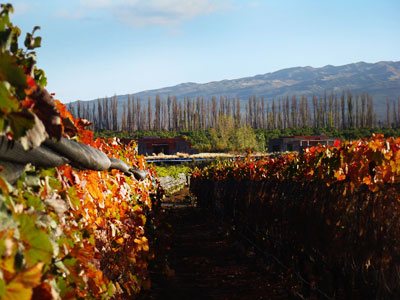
(208, 260)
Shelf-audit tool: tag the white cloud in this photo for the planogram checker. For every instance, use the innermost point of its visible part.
(96, 3)
(21, 8)
(68, 14)
(155, 12)
(255, 4)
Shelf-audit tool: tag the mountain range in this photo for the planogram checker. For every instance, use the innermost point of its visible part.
(380, 80)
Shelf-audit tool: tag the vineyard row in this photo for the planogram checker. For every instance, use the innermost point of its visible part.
(332, 214)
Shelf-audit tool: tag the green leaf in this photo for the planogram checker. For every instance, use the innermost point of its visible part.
(33, 201)
(111, 289)
(16, 32)
(7, 102)
(9, 71)
(1, 124)
(2, 288)
(73, 197)
(70, 262)
(20, 122)
(4, 16)
(28, 41)
(40, 77)
(37, 244)
(54, 183)
(4, 21)
(47, 172)
(37, 41)
(92, 240)
(31, 42)
(64, 287)
(35, 28)
(2, 248)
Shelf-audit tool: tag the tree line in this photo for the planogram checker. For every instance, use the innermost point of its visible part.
(346, 110)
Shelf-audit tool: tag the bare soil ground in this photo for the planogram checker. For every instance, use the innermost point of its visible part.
(210, 263)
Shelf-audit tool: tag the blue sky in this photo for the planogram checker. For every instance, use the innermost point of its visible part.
(98, 48)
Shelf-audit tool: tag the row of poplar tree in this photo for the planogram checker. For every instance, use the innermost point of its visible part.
(346, 110)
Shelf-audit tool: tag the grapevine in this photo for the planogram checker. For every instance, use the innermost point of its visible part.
(66, 233)
(331, 212)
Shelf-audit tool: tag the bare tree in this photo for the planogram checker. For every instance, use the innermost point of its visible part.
(149, 114)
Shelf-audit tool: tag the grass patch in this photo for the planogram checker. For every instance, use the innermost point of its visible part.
(173, 170)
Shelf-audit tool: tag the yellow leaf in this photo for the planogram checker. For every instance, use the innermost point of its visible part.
(21, 286)
(7, 264)
(32, 276)
(92, 186)
(17, 291)
(367, 180)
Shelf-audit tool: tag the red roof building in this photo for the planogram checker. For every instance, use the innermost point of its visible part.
(168, 146)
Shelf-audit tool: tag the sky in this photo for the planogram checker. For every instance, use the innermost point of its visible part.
(99, 48)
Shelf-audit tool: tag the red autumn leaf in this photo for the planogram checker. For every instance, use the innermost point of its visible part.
(337, 143)
(42, 292)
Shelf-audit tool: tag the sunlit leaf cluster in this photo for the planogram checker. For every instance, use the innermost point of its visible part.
(373, 162)
(75, 234)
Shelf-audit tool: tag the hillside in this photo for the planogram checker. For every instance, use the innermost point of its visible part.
(381, 80)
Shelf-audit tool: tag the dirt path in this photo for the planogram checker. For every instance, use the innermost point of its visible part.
(210, 264)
